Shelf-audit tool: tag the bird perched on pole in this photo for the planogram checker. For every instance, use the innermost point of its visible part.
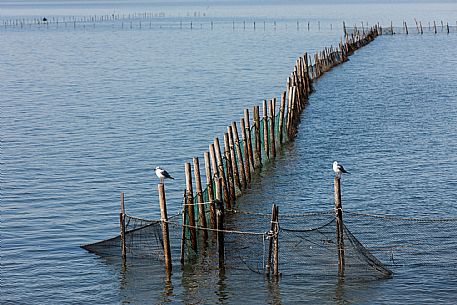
(339, 169)
(162, 174)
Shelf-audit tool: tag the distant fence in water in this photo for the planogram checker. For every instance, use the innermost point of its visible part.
(158, 20)
(210, 232)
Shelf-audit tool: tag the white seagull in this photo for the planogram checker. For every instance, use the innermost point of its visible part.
(162, 174)
(338, 169)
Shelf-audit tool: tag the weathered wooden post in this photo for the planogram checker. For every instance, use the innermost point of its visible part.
(247, 158)
(273, 248)
(281, 117)
(201, 207)
(339, 225)
(229, 169)
(272, 129)
(257, 147)
(265, 129)
(221, 173)
(209, 186)
(164, 222)
(241, 169)
(190, 206)
(234, 159)
(276, 243)
(249, 138)
(122, 227)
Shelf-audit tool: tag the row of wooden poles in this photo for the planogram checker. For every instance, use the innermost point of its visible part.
(229, 171)
(420, 29)
(129, 22)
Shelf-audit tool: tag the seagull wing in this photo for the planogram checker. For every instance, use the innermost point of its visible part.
(341, 168)
(167, 175)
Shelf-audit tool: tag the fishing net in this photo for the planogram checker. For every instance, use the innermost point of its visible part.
(374, 246)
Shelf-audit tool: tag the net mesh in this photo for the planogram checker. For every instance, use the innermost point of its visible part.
(307, 244)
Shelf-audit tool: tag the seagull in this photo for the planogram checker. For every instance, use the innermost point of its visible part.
(338, 169)
(161, 173)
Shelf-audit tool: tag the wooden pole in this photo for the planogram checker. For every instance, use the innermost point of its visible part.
(257, 148)
(209, 186)
(190, 206)
(122, 227)
(247, 166)
(271, 236)
(265, 129)
(272, 129)
(339, 225)
(164, 222)
(198, 189)
(276, 243)
(230, 176)
(249, 139)
(281, 117)
(289, 112)
(234, 159)
(220, 170)
(241, 169)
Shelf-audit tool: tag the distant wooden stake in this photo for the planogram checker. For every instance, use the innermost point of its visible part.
(122, 223)
(339, 225)
(190, 206)
(164, 222)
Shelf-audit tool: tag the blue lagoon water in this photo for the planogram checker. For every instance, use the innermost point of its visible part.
(88, 112)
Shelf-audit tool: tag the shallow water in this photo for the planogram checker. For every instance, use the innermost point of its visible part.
(88, 113)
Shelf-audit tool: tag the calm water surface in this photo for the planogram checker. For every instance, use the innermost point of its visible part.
(86, 114)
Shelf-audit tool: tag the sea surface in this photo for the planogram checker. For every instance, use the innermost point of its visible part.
(89, 109)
